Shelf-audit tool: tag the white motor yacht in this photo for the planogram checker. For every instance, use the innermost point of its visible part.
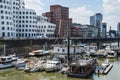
(112, 54)
(6, 62)
(53, 66)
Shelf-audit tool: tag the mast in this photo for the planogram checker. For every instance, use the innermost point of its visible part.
(4, 49)
(68, 46)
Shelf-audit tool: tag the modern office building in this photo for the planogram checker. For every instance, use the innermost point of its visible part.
(118, 29)
(60, 16)
(96, 20)
(104, 30)
(44, 28)
(88, 31)
(15, 20)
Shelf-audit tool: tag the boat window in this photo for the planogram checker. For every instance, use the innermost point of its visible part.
(58, 49)
(9, 58)
(63, 50)
(58, 64)
(3, 59)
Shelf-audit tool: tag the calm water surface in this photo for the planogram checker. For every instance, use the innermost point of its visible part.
(13, 74)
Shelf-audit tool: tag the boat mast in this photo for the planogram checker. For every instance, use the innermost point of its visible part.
(68, 46)
(4, 49)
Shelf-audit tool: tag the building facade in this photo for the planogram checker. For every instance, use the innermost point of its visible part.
(44, 28)
(16, 21)
(88, 31)
(96, 20)
(118, 29)
(60, 16)
(104, 29)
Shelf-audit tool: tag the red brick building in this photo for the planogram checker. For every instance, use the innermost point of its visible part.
(60, 16)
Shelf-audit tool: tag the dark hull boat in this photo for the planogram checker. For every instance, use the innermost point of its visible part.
(82, 69)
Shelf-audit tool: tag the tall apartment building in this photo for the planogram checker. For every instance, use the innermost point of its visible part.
(15, 20)
(96, 20)
(60, 16)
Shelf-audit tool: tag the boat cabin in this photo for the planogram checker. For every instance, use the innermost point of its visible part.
(75, 51)
(4, 59)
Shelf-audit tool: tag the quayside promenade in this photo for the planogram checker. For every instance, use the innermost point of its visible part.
(52, 41)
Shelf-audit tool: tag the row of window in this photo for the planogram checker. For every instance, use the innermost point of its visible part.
(26, 30)
(45, 26)
(8, 28)
(25, 35)
(44, 30)
(5, 7)
(24, 21)
(6, 17)
(6, 23)
(4, 34)
(27, 13)
(5, 12)
(27, 17)
(23, 26)
(4, 1)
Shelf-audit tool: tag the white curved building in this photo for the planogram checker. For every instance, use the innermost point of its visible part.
(15, 20)
(26, 27)
(44, 28)
(7, 28)
(18, 22)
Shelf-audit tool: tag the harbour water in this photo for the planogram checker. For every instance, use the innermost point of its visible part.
(13, 74)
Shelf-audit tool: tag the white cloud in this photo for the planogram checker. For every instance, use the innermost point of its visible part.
(81, 14)
(111, 12)
(111, 6)
(112, 21)
(37, 5)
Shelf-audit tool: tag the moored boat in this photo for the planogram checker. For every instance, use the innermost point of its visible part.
(35, 66)
(6, 62)
(112, 54)
(20, 63)
(53, 65)
(82, 68)
(104, 68)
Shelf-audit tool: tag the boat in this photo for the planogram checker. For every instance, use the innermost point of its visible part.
(20, 63)
(112, 54)
(53, 65)
(104, 68)
(6, 62)
(65, 69)
(34, 67)
(82, 68)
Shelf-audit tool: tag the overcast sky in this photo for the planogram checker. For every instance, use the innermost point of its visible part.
(81, 10)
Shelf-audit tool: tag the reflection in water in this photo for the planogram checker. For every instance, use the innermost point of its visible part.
(13, 74)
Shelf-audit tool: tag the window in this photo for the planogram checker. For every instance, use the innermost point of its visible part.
(1, 11)
(2, 22)
(1, 1)
(63, 50)
(3, 28)
(3, 34)
(58, 50)
(2, 17)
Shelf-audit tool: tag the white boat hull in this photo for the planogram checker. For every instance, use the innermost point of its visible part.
(3, 66)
